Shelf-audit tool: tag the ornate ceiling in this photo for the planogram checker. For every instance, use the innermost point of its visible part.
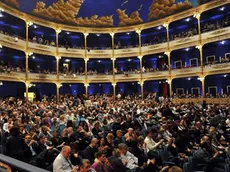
(103, 13)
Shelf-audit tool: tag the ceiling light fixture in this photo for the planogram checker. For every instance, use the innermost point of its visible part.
(188, 20)
(67, 60)
(159, 27)
(222, 8)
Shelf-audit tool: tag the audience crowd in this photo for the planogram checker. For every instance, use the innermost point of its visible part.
(102, 134)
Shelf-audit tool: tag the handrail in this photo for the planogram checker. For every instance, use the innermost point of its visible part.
(19, 165)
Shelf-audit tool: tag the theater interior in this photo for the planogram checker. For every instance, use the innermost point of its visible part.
(108, 86)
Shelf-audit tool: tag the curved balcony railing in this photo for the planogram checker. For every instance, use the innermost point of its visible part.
(100, 78)
(212, 36)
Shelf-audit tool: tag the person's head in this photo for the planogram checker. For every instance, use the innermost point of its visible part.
(116, 153)
(149, 133)
(85, 165)
(206, 139)
(130, 131)
(14, 131)
(101, 157)
(123, 148)
(94, 142)
(119, 133)
(102, 141)
(42, 139)
(65, 151)
(175, 169)
(27, 139)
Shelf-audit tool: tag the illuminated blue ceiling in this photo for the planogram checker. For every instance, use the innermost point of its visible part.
(102, 12)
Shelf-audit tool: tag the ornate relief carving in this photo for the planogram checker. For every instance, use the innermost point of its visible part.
(221, 66)
(200, 100)
(183, 40)
(219, 31)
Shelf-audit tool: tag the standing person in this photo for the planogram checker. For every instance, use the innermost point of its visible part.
(62, 162)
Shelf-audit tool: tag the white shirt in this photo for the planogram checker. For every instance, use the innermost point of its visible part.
(61, 164)
(150, 143)
(132, 161)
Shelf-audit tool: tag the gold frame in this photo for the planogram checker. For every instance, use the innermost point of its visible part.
(175, 62)
(207, 57)
(212, 87)
(225, 55)
(195, 88)
(193, 59)
(228, 87)
(179, 89)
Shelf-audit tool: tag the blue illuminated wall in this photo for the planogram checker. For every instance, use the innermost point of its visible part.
(72, 89)
(45, 63)
(184, 56)
(151, 86)
(100, 89)
(186, 84)
(128, 88)
(101, 67)
(125, 65)
(218, 81)
(217, 49)
(12, 89)
(43, 89)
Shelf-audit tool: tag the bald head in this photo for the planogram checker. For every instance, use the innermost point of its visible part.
(65, 151)
(175, 169)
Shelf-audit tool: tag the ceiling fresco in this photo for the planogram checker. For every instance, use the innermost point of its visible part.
(103, 13)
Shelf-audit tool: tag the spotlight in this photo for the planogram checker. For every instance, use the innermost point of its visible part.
(222, 42)
(128, 33)
(97, 34)
(187, 49)
(67, 33)
(189, 79)
(33, 57)
(159, 27)
(1, 83)
(99, 84)
(67, 60)
(70, 85)
(188, 20)
(160, 56)
(129, 60)
(35, 27)
(225, 76)
(99, 61)
(1, 15)
(222, 8)
(132, 83)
